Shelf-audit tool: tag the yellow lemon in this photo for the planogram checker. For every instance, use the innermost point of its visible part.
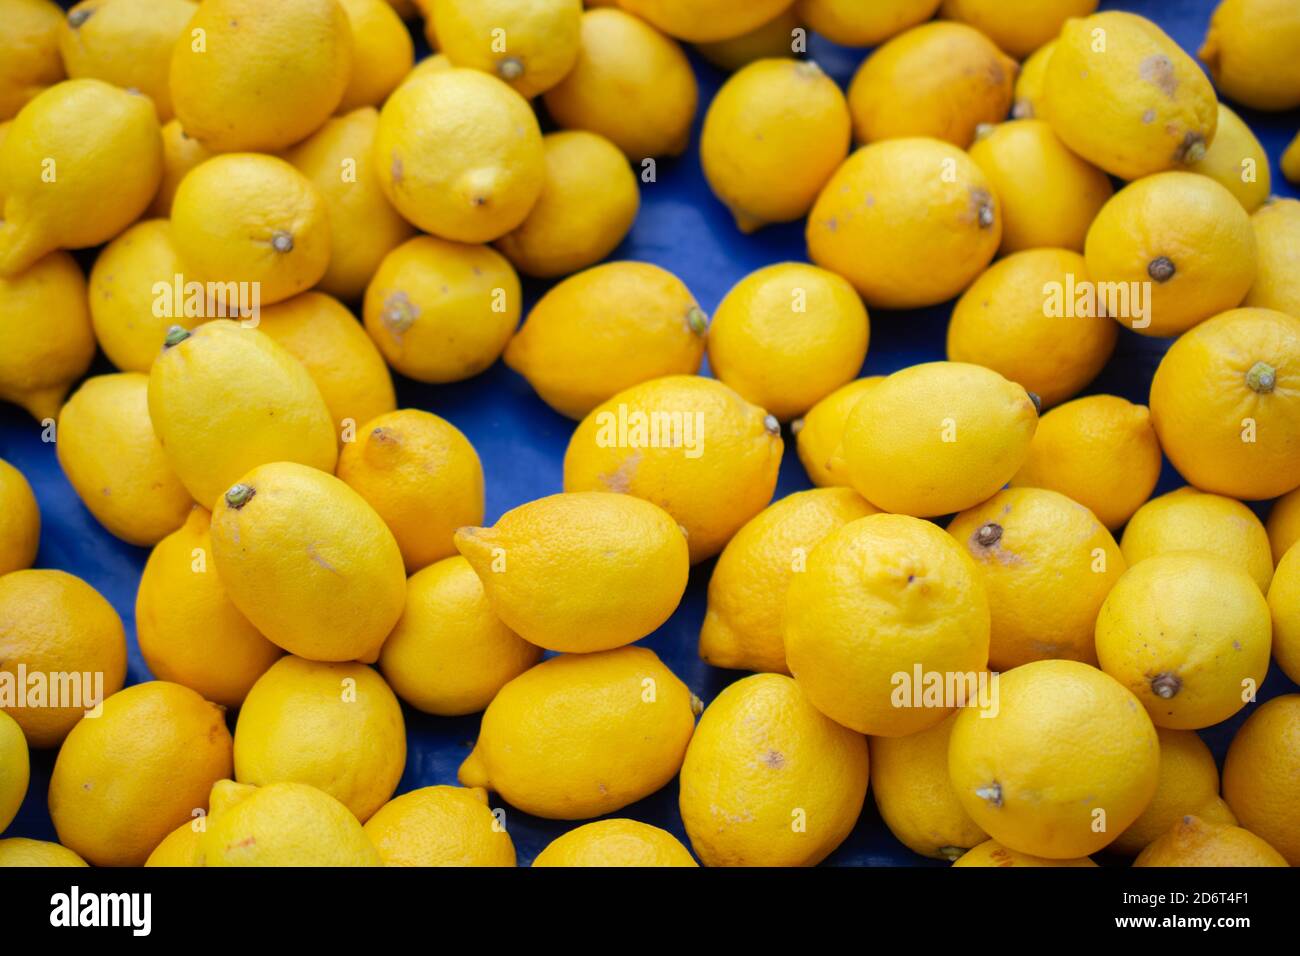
(1283, 524)
(20, 520)
(606, 329)
(52, 623)
(1277, 241)
(1190, 520)
(579, 572)
(1250, 50)
(776, 37)
(253, 76)
(853, 23)
(177, 848)
(1284, 603)
(224, 399)
(937, 438)
(938, 80)
(909, 777)
(701, 21)
(588, 203)
(189, 631)
(126, 779)
(1236, 160)
(768, 779)
(1049, 195)
(581, 735)
(308, 562)
(15, 769)
(1127, 98)
(470, 189)
(1075, 448)
(1196, 842)
(441, 311)
(992, 853)
(743, 626)
(1029, 96)
(772, 137)
(1020, 320)
(1290, 161)
(80, 163)
(1048, 565)
(631, 84)
(1225, 401)
(1017, 26)
(689, 444)
(181, 153)
(382, 53)
(1261, 773)
(435, 63)
(19, 851)
(1067, 748)
(29, 51)
(1189, 634)
(531, 45)
(882, 596)
(1183, 237)
(910, 222)
(819, 433)
(615, 843)
(440, 826)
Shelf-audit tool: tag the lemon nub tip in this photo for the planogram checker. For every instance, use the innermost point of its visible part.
(697, 320)
(772, 425)
(77, 17)
(1165, 686)
(1161, 269)
(281, 241)
(992, 794)
(510, 69)
(175, 336)
(988, 535)
(1261, 378)
(239, 495)
(1037, 400)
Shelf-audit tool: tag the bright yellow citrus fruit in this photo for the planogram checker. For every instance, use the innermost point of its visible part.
(1283, 524)
(15, 769)
(700, 21)
(19, 851)
(1261, 776)
(1284, 603)
(774, 38)
(1017, 26)
(440, 826)
(181, 153)
(991, 853)
(853, 23)
(177, 848)
(1277, 242)
(29, 51)
(382, 53)
(1195, 842)
(20, 520)
(1029, 95)
(615, 843)
(532, 46)
(819, 433)
(1236, 160)
(1250, 50)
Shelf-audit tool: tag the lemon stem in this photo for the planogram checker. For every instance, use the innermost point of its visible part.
(175, 336)
(239, 495)
(1261, 378)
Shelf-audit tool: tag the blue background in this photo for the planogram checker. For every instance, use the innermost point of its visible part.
(683, 228)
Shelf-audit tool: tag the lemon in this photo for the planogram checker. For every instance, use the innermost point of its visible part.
(772, 137)
(853, 23)
(29, 50)
(1250, 50)
(1195, 842)
(1277, 240)
(80, 163)
(992, 853)
(937, 438)
(531, 45)
(177, 848)
(442, 311)
(52, 623)
(819, 433)
(308, 562)
(747, 592)
(588, 202)
(434, 63)
(1225, 401)
(209, 395)
(580, 572)
(181, 153)
(883, 595)
(1017, 26)
(189, 631)
(615, 843)
(1004, 322)
(924, 209)
(1190, 520)
(1029, 96)
(768, 779)
(631, 84)
(1127, 98)
(253, 76)
(470, 189)
(1284, 603)
(1236, 160)
(1180, 235)
(440, 826)
(581, 735)
(1290, 161)
(1260, 774)
(110, 454)
(606, 329)
(1074, 450)
(1049, 196)
(1068, 762)
(126, 779)
(1283, 524)
(19, 851)
(20, 520)
(774, 38)
(937, 80)
(1189, 634)
(689, 444)
(15, 769)
(909, 777)
(382, 53)
(701, 21)
(449, 653)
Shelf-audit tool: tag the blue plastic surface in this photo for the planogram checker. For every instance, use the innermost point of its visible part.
(681, 227)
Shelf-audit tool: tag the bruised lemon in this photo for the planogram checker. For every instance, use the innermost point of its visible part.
(1236, 160)
(853, 23)
(529, 45)
(440, 826)
(615, 843)
(819, 433)
(1017, 26)
(1277, 241)
(701, 21)
(1196, 842)
(20, 520)
(1250, 51)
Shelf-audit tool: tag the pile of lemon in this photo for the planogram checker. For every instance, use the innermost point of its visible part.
(319, 555)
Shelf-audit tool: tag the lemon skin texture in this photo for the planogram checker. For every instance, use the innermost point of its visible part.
(260, 77)
(581, 572)
(992, 853)
(881, 596)
(541, 39)
(852, 23)
(1186, 237)
(225, 399)
(1284, 603)
(125, 780)
(440, 826)
(588, 203)
(615, 843)
(1277, 241)
(55, 623)
(743, 624)
(19, 851)
(1029, 95)
(20, 520)
(712, 490)
(1283, 524)
(15, 769)
(582, 735)
(775, 38)
(382, 53)
(308, 562)
(442, 311)
(910, 222)
(1225, 401)
(1261, 772)
(1074, 446)
(937, 438)
(1067, 745)
(702, 21)
(1195, 842)
(1017, 26)
(607, 329)
(181, 153)
(1236, 161)
(188, 630)
(761, 753)
(29, 50)
(818, 434)
(1189, 634)
(177, 848)
(449, 653)
(1250, 51)
(102, 146)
